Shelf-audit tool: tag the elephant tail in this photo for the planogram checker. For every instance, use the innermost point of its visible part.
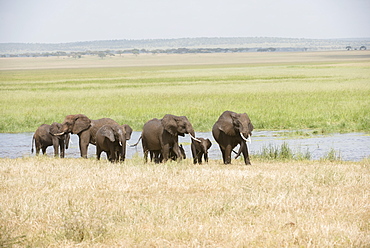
(136, 142)
(33, 141)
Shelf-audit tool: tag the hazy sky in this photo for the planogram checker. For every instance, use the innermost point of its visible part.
(53, 21)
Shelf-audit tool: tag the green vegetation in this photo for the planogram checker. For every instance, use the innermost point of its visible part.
(281, 153)
(277, 90)
(48, 202)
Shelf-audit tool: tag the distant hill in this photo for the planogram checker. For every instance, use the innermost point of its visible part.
(250, 44)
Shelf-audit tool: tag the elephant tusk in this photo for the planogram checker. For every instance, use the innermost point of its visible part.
(249, 140)
(58, 134)
(194, 138)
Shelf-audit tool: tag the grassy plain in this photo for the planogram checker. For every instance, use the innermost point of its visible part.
(47, 202)
(324, 91)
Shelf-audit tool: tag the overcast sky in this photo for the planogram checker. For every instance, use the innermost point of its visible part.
(54, 21)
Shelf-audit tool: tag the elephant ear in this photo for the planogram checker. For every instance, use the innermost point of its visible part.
(108, 132)
(227, 123)
(170, 125)
(128, 130)
(55, 128)
(209, 143)
(81, 122)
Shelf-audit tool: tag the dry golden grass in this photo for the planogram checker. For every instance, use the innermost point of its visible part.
(47, 202)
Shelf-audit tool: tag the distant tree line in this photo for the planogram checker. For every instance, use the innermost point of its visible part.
(105, 53)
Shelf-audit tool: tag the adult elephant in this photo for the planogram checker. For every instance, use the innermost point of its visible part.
(85, 129)
(232, 129)
(162, 135)
(45, 136)
(112, 140)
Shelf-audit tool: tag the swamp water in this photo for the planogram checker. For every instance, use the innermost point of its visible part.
(350, 146)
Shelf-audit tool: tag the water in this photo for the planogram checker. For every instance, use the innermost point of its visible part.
(350, 147)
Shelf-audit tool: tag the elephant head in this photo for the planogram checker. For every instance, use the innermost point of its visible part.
(114, 133)
(178, 125)
(56, 129)
(234, 124)
(75, 124)
(128, 131)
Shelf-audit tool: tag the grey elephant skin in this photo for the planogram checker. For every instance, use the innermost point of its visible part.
(162, 135)
(199, 149)
(111, 139)
(45, 137)
(232, 129)
(85, 129)
(158, 157)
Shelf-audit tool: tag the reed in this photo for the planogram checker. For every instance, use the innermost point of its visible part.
(49, 202)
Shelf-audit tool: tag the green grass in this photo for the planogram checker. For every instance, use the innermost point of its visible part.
(327, 96)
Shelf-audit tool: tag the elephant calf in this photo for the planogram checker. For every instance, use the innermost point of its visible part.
(45, 136)
(111, 139)
(199, 149)
(158, 157)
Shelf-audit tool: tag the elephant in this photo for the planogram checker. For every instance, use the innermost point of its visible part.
(111, 138)
(85, 129)
(230, 130)
(161, 135)
(158, 157)
(200, 149)
(45, 136)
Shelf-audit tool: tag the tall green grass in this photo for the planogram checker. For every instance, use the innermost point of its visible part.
(327, 97)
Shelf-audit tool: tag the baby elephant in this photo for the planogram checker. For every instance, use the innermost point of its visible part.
(198, 149)
(45, 136)
(111, 139)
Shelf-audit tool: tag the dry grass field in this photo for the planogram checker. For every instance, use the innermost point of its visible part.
(47, 202)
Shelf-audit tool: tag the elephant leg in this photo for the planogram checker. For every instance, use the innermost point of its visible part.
(151, 154)
(109, 156)
(98, 151)
(206, 157)
(38, 148)
(227, 156)
(194, 153)
(43, 148)
(146, 156)
(56, 150)
(200, 155)
(246, 154)
(62, 148)
(223, 154)
(165, 152)
(84, 143)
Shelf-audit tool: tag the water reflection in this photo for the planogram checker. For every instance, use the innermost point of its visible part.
(351, 146)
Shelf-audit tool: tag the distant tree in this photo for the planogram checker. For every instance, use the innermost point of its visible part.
(348, 48)
(363, 48)
(135, 52)
(102, 54)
